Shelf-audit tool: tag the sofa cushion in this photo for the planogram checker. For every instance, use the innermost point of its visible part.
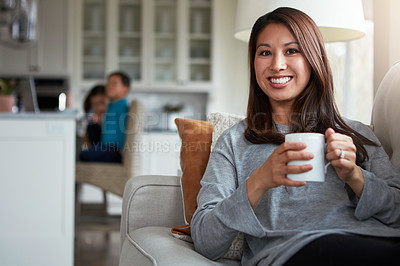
(195, 151)
(221, 122)
(386, 111)
(198, 137)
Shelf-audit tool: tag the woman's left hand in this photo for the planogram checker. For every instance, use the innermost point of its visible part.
(341, 153)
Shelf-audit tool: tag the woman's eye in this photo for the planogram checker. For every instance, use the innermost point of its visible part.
(292, 51)
(264, 53)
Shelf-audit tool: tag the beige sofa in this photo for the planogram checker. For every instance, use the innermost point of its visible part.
(153, 204)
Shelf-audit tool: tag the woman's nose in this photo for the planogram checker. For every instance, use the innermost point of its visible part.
(278, 63)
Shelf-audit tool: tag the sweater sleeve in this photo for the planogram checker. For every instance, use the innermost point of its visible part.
(223, 207)
(381, 193)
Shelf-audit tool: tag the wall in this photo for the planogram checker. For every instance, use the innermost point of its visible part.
(230, 69)
(387, 37)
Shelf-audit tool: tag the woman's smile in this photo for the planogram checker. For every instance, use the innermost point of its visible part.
(280, 81)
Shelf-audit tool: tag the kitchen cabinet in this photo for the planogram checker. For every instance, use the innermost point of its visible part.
(93, 37)
(164, 45)
(37, 164)
(181, 39)
(160, 153)
(51, 53)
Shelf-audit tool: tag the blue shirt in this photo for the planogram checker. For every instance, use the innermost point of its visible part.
(114, 124)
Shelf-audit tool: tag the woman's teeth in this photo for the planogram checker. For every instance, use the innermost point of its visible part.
(280, 80)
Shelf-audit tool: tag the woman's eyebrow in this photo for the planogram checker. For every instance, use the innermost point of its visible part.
(263, 44)
(269, 46)
(289, 43)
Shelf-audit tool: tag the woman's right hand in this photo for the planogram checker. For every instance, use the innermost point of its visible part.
(272, 173)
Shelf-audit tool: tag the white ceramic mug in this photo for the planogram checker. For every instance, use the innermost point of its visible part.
(316, 145)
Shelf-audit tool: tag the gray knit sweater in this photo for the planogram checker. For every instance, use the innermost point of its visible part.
(287, 218)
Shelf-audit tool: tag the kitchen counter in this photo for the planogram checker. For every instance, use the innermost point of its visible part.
(41, 115)
(37, 162)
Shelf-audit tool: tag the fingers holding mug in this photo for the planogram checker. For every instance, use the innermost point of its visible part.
(337, 154)
(272, 173)
(341, 153)
(342, 159)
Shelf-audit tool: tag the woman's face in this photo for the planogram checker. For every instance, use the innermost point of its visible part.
(281, 69)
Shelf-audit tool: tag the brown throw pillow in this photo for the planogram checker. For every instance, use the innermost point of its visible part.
(195, 151)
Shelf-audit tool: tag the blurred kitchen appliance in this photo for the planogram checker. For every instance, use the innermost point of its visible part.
(23, 24)
(27, 98)
(18, 23)
(52, 93)
(41, 93)
(6, 11)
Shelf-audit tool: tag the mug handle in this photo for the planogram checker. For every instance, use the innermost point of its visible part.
(326, 167)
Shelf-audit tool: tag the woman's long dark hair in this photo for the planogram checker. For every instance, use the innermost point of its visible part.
(314, 110)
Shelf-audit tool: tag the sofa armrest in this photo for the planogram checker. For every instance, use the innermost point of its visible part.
(156, 246)
(151, 200)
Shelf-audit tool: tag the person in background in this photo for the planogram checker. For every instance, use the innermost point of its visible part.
(95, 107)
(114, 122)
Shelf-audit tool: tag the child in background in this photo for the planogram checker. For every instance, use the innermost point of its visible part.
(95, 107)
(114, 122)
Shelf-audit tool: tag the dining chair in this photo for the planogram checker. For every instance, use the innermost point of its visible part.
(111, 177)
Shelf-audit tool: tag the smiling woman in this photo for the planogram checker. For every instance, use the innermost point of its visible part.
(312, 107)
(246, 188)
(282, 71)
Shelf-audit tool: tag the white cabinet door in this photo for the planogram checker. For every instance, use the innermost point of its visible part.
(50, 54)
(179, 34)
(14, 61)
(53, 50)
(160, 153)
(163, 45)
(109, 38)
(37, 191)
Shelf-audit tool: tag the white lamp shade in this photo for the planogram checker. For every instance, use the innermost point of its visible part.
(338, 20)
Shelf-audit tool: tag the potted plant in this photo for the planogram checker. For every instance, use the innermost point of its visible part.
(7, 98)
(172, 113)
